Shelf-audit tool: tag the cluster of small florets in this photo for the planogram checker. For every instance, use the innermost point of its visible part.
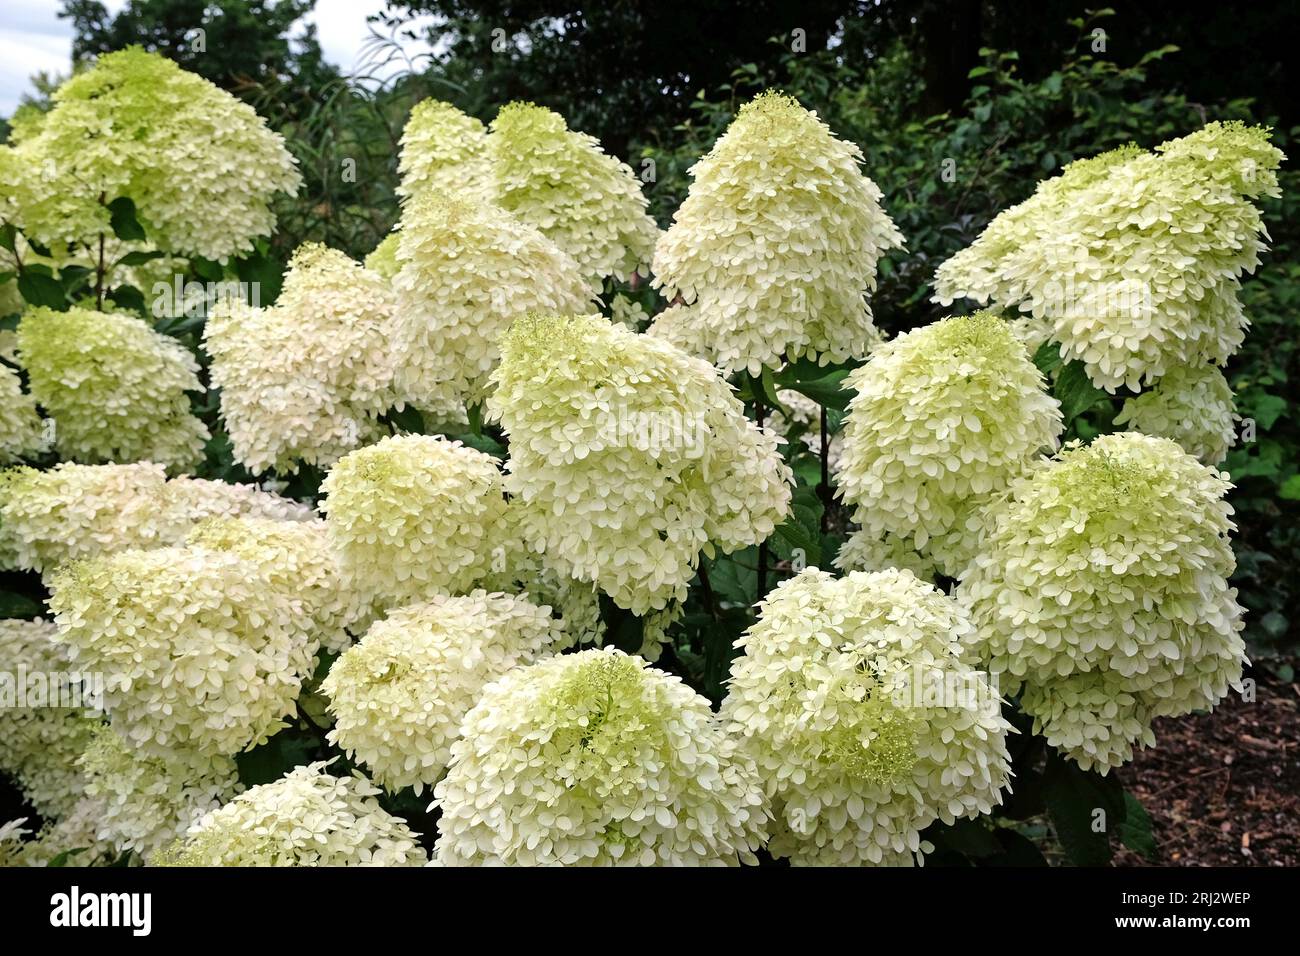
(775, 246)
(399, 695)
(48, 518)
(21, 429)
(465, 270)
(199, 649)
(40, 743)
(114, 387)
(624, 484)
(1193, 406)
(1133, 256)
(865, 723)
(1103, 589)
(944, 417)
(146, 802)
(443, 153)
(306, 818)
(865, 551)
(298, 559)
(306, 379)
(413, 516)
(596, 758)
(200, 166)
(561, 182)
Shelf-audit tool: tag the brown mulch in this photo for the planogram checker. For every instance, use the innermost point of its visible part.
(1223, 789)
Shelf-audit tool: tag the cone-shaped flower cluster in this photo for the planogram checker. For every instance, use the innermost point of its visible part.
(444, 153)
(399, 695)
(146, 802)
(199, 649)
(1133, 256)
(560, 181)
(40, 742)
(200, 166)
(465, 271)
(48, 518)
(596, 758)
(298, 559)
(21, 434)
(1102, 587)
(413, 516)
(1193, 406)
(944, 417)
(306, 818)
(306, 379)
(114, 387)
(776, 244)
(864, 721)
(624, 483)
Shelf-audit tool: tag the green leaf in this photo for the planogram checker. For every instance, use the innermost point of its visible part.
(1135, 831)
(38, 289)
(18, 605)
(1048, 357)
(139, 257)
(408, 420)
(1075, 391)
(1075, 800)
(8, 236)
(128, 297)
(61, 860)
(971, 838)
(123, 219)
(206, 269)
(763, 388)
(826, 389)
(475, 413)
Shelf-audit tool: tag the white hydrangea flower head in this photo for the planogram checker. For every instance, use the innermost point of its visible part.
(147, 802)
(1103, 589)
(40, 744)
(306, 818)
(199, 649)
(561, 182)
(299, 559)
(21, 428)
(49, 518)
(944, 417)
(399, 695)
(1193, 406)
(74, 831)
(864, 551)
(444, 152)
(465, 271)
(200, 166)
(1133, 256)
(776, 245)
(306, 379)
(864, 721)
(596, 758)
(623, 485)
(114, 387)
(413, 516)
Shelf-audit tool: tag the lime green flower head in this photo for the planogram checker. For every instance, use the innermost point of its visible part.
(776, 246)
(146, 802)
(40, 745)
(465, 270)
(562, 183)
(1193, 406)
(625, 483)
(444, 153)
(865, 723)
(399, 695)
(199, 649)
(21, 430)
(114, 387)
(596, 758)
(1102, 588)
(306, 818)
(200, 166)
(944, 417)
(413, 516)
(306, 379)
(1134, 257)
(382, 260)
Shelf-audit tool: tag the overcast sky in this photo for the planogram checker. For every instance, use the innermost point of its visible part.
(33, 38)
